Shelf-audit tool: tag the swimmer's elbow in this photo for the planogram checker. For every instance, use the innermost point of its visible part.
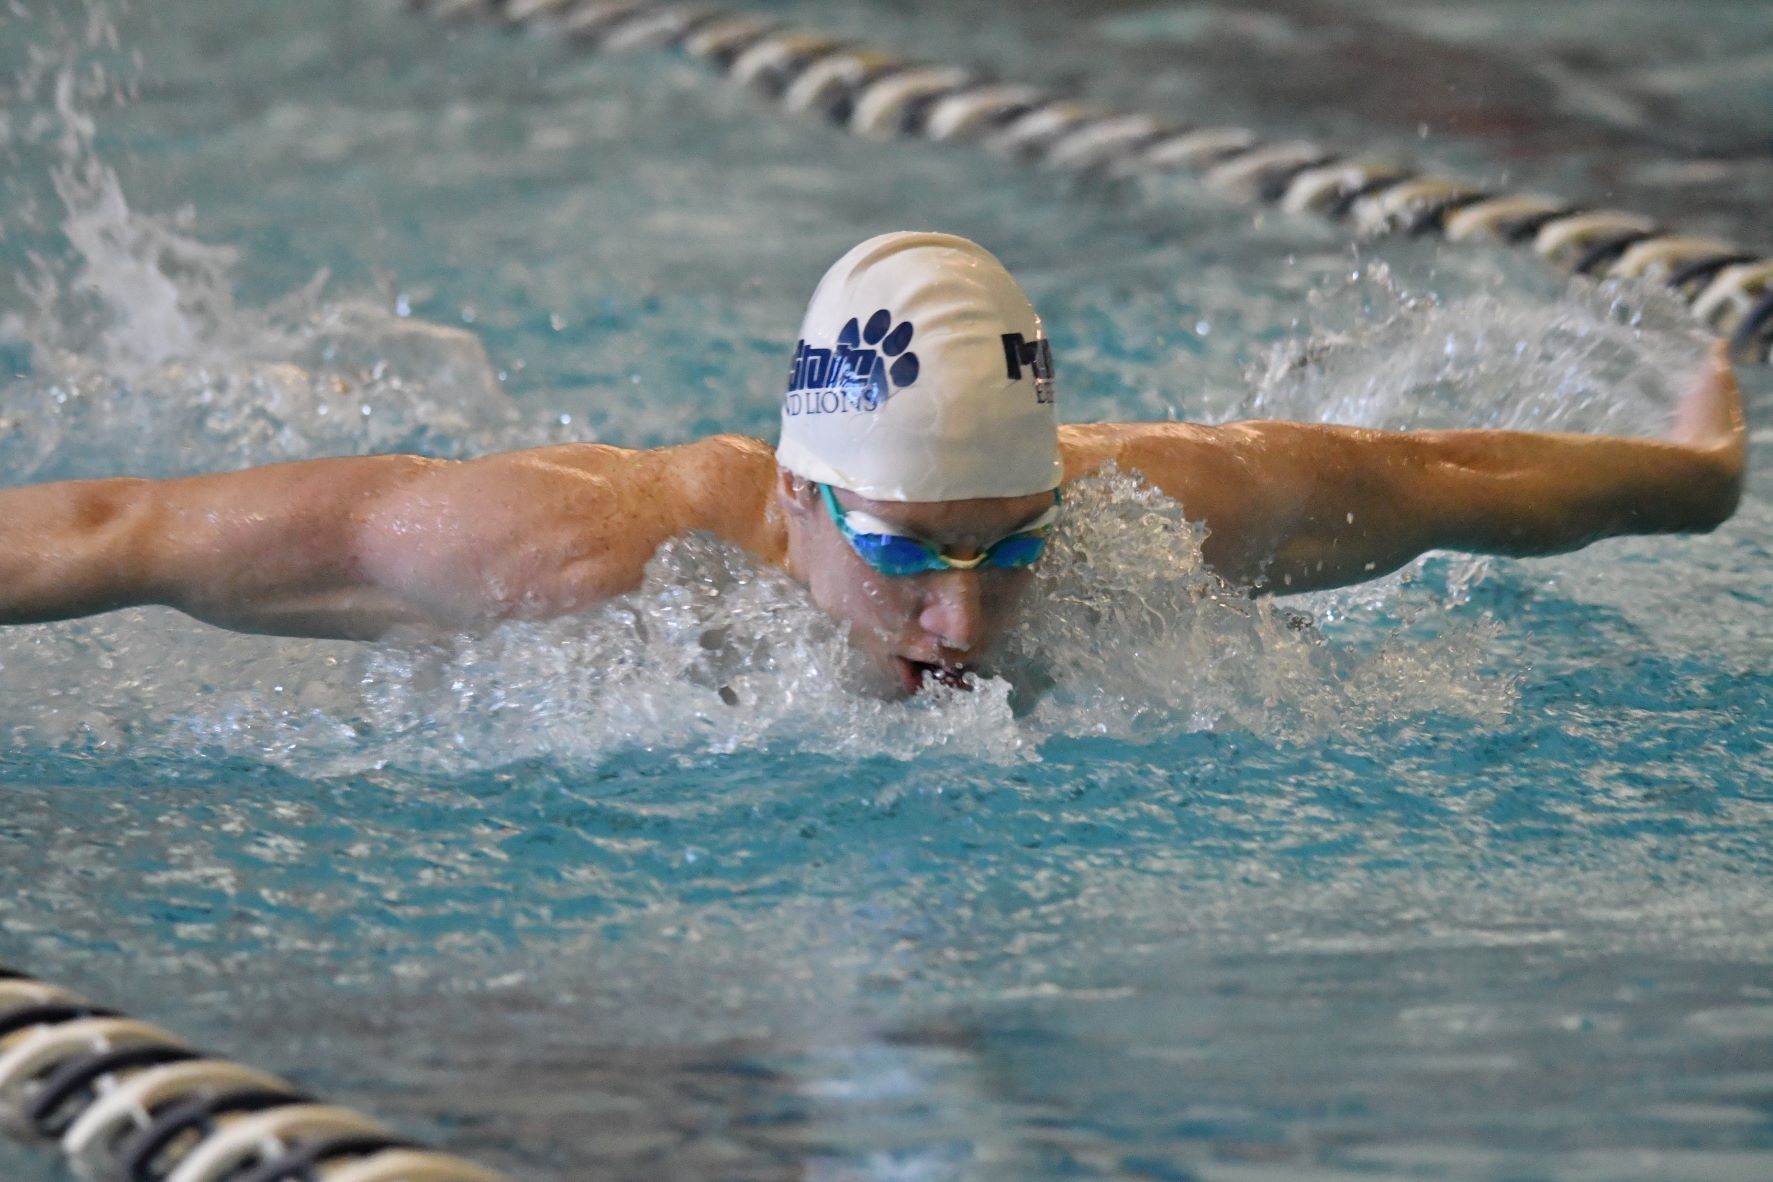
(1695, 495)
(95, 550)
(1714, 501)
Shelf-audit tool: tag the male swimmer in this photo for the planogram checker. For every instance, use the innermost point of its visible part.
(918, 475)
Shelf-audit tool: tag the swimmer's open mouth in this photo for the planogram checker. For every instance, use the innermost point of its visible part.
(913, 674)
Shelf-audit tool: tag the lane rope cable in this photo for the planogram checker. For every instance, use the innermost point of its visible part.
(881, 96)
(129, 1102)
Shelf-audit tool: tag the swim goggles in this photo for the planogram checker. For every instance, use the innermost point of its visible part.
(899, 554)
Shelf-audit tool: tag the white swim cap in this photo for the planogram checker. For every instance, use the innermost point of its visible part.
(922, 374)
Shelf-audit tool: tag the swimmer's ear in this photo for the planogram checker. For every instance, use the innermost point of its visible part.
(796, 492)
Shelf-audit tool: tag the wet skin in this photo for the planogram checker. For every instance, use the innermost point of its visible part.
(937, 624)
(358, 547)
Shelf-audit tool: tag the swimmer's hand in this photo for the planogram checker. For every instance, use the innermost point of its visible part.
(1709, 417)
(1709, 425)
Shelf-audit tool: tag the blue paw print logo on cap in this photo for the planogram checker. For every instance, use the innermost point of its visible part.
(896, 364)
(867, 365)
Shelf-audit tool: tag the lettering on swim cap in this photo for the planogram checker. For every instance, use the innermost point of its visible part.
(868, 363)
(1037, 355)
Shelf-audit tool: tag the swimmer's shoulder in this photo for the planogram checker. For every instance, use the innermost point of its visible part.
(1158, 450)
(733, 462)
(729, 482)
(722, 484)
(728, 457)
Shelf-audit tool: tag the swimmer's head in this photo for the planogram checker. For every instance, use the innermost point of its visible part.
(919, 411)
(922, 374)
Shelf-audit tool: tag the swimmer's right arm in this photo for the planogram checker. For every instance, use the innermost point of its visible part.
(275, 550)
(346, 548)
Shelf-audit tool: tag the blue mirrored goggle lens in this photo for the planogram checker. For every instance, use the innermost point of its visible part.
(1016, 552)
(894, 555)
(891, 554)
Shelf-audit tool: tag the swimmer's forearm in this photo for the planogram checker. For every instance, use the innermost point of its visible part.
(1297, 506)
(69, 549)
(271, 550)
(1523, 494)
(1366, 503)
(1544, 494)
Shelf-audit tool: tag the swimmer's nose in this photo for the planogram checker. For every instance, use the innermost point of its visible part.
(953, 611)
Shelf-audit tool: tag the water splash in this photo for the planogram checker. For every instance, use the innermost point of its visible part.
(1128, 635)
(345, 378)
(1143, 639)
(132, 289)
(145, 293)
(131, 354)
(1380, 351)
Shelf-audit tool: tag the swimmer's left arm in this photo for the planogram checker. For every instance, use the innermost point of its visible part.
(1298, 507)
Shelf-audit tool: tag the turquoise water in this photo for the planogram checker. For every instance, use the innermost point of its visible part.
(1460, 875)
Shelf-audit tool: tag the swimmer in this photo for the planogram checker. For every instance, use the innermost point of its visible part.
(919, 472)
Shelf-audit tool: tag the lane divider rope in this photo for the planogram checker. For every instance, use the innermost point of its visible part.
(878, 95)
(129, 1102)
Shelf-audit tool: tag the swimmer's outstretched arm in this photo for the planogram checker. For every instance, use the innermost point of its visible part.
(1300, 507)
(352, 548)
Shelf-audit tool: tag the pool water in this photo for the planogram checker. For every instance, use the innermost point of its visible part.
(1462, 874)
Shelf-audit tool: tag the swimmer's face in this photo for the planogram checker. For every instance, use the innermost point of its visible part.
(912, 626)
